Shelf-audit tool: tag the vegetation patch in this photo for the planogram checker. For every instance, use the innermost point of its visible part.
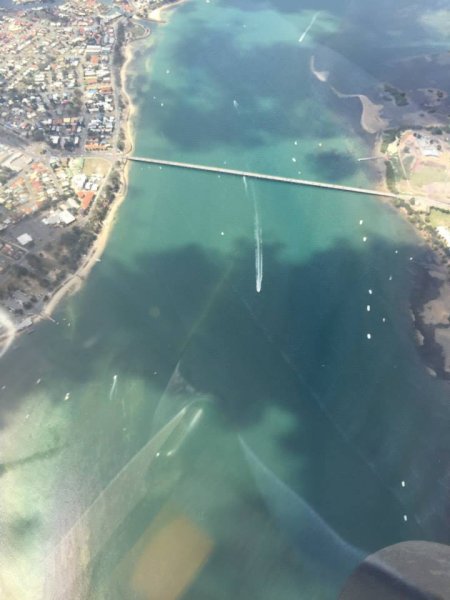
(428, 174)
(391, 178)
(388, 136)
(439, 218)
(398, 96)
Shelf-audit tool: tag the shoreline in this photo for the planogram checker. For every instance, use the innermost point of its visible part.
(155, 15)
(430, 294)
(429, 304)
(75, 281)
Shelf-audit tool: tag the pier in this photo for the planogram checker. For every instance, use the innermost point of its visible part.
(261, 176)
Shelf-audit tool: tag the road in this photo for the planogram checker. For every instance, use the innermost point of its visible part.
(263, 176)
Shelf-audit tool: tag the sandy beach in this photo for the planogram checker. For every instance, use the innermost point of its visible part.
(156, 14)
(371, 120)
(75, 281)
(321, 75)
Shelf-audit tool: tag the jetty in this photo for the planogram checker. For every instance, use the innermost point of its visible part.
(261, 176)
(371, 158)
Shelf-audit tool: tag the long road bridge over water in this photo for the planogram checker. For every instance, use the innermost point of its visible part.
(251, 175)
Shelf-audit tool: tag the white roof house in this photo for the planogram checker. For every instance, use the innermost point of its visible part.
(24, 239)
(66, 217)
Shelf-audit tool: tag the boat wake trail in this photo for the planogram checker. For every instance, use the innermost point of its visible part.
(113, 388)
(305, 33)
(258, 240)
(258, 249)
(244, 179)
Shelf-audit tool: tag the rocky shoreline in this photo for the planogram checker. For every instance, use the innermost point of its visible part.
(427, 287)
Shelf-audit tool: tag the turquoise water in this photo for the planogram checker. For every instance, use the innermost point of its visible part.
(254, 442)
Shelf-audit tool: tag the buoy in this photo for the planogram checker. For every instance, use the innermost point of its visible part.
(403, 484)
(369, 336)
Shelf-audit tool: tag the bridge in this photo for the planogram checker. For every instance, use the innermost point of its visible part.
(262, 176)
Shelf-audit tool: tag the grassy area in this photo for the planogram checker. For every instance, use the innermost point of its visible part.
(136, 30)
(408, 162)
(428, 174)
(439, 217)
(391, 178)
(96, 166)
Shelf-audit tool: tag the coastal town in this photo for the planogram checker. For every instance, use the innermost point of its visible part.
(63, 134)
